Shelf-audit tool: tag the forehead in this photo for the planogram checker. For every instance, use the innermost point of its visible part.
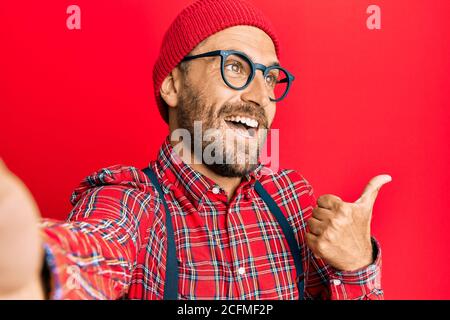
(250, 40)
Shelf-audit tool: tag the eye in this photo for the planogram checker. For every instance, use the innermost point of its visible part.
(234, 66)
(271, 80)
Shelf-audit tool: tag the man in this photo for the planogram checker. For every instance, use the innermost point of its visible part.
(187, 227)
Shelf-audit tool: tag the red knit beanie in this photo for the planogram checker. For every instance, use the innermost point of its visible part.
(194, 24)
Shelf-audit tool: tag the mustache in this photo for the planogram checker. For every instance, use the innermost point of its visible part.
(246, 109)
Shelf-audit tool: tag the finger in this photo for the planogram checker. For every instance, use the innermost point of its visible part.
(4, 173)
(311, 242)
(328, 201)
(316, 227)
(3, 167)
(322, 214)
(371, 190)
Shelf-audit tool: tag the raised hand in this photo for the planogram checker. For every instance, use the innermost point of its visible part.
(339, 232)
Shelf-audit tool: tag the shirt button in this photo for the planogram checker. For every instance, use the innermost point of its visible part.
(241, 271)
(216, 190)
(337, 282)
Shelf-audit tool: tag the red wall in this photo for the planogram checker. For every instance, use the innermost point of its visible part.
(365, 102)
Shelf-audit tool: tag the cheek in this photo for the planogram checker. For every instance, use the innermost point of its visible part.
(216, 89)
(270, 112)
(213, 91)
(220, 92)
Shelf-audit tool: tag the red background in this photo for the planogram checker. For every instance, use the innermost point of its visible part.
(365, 102)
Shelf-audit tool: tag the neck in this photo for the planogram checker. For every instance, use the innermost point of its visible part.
(226, 183)
(229, 184)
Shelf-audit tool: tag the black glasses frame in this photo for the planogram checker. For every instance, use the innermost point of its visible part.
(253, 66)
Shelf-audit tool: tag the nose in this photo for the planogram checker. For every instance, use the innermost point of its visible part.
(257, 92)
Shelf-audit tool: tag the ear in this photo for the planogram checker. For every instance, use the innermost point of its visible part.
(170, 88)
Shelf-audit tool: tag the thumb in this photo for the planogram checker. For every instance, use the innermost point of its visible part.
(370, 192)
(3, 170)
(3, 167)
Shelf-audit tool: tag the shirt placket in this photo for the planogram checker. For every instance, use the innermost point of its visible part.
(244, 284)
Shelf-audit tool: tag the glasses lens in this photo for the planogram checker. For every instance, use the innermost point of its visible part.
(237, 70)
(277, 81)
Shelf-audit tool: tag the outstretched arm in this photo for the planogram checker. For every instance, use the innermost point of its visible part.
(91, 256)
(21, 253)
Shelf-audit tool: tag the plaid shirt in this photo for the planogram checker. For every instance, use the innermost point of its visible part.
(114, 242)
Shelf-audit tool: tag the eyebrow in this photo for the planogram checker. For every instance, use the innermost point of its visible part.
(272, 64)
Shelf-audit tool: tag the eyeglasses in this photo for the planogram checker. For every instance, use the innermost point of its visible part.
(238, 71)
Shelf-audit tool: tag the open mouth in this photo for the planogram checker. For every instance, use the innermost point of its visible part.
(244, 126)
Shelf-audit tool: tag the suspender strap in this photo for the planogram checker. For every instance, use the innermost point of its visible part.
(171, 283)
(288, 234)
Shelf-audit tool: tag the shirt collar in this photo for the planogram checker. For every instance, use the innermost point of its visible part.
(178, 176)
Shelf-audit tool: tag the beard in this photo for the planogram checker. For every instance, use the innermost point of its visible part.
(232, 154)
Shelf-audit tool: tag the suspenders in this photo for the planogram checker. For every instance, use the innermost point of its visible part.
(288, 234)
(171, 284)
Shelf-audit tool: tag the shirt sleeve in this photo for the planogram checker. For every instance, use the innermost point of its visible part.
(324, 282)
(93, 254)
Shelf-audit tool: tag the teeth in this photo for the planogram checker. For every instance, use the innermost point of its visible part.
(247, 121)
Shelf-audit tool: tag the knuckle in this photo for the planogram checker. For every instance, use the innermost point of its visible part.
(315, 211)
(336, 222)
(341, 221)
(371, 185)
(321, 198)
(311, 243)
(321, 246)
(344, 209)
(330, 236)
